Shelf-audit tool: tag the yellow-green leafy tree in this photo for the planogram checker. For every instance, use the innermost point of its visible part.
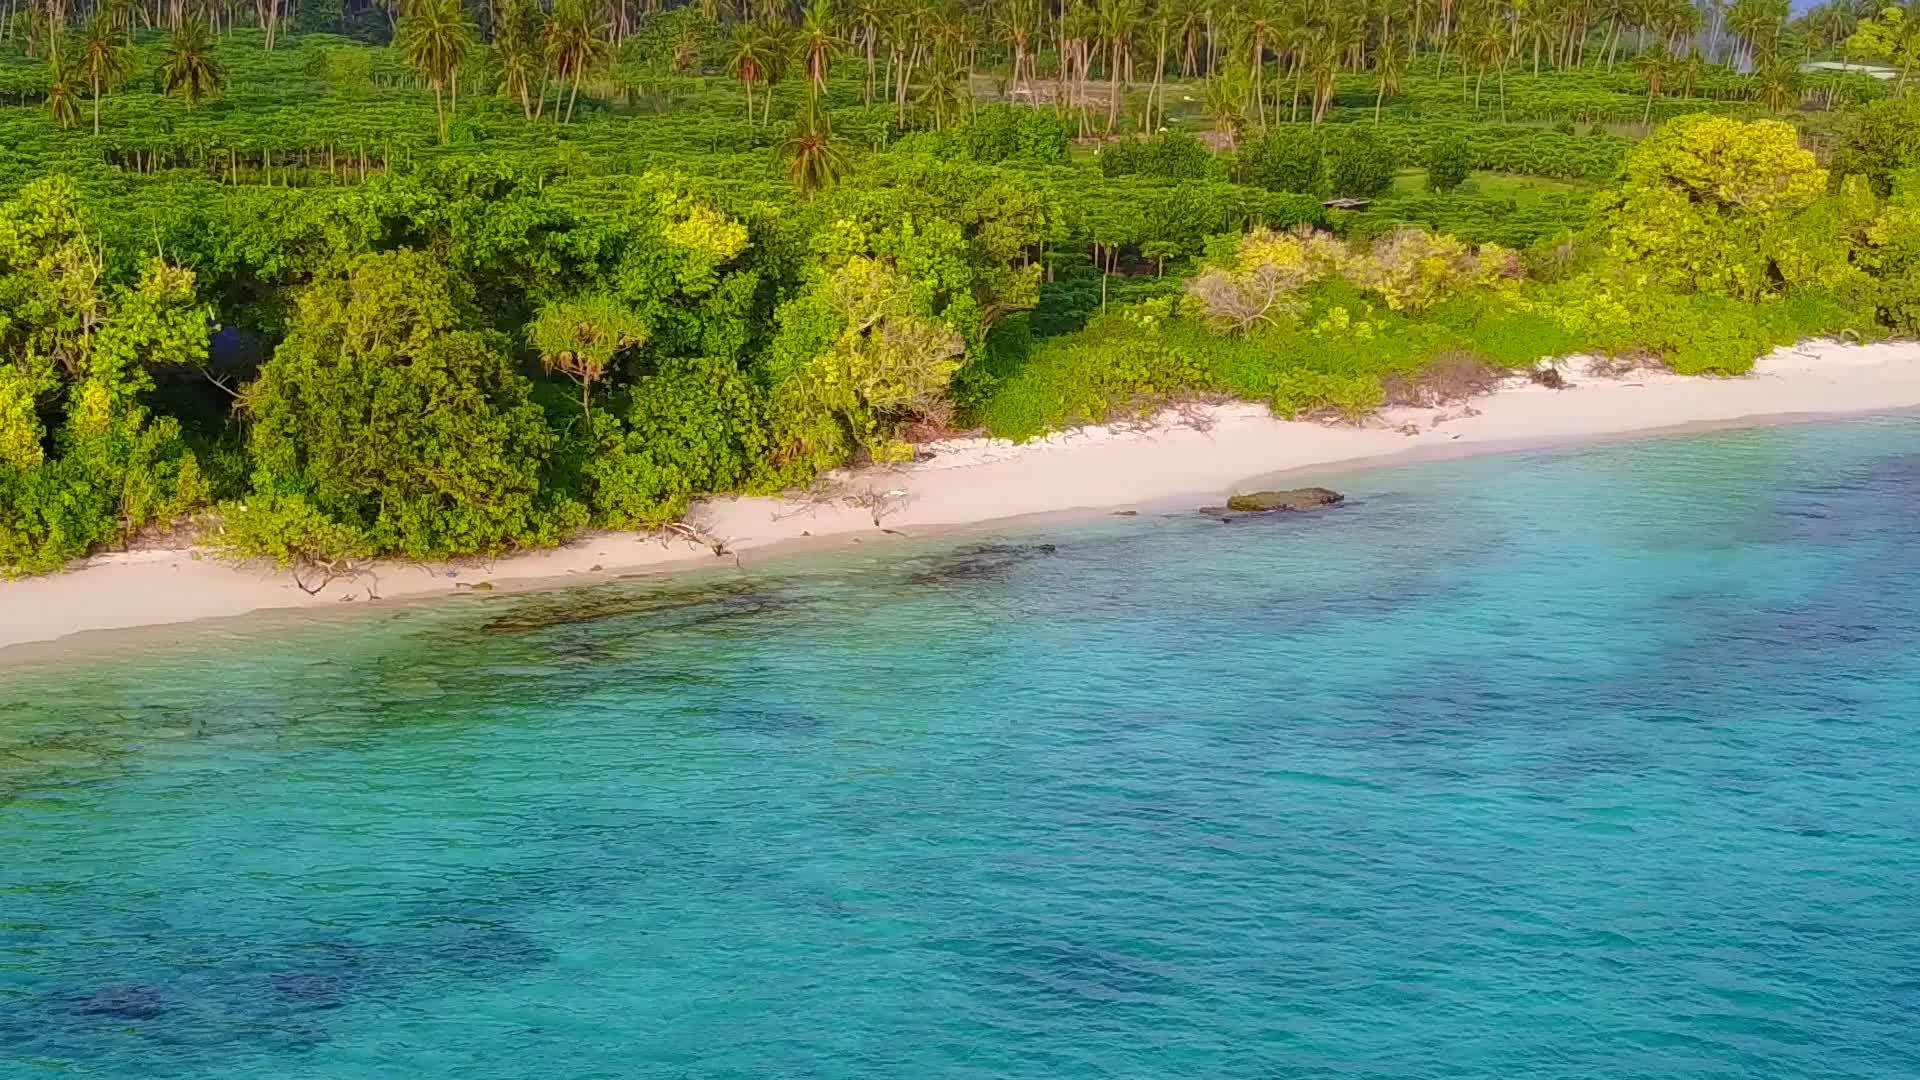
(1701, 204)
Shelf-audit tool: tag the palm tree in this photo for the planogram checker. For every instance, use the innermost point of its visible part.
(1162, 22)
(105, 57)
(1655, 65)
(1778, 84)
(1222, 100)
(188, 65)
(575, 43)
(1389, 64)
(1260, 24)
(1489, 51)
(515, 56)
(1693, 70)
(1118, 20)
(776, 43)
(818, 42)
(1017, 21)
(1319, 59)
(62, 103)
(1188, 20)
(267, 15)
(121, 13)
(30, 30)
(436, 37)
(748, 61)
(867, 17)
(1536, 26)
(814, 158)
(945, 94)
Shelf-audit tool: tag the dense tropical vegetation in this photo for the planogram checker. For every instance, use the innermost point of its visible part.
(337, 279)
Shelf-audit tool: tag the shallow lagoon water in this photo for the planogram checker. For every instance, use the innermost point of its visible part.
(1564, 764)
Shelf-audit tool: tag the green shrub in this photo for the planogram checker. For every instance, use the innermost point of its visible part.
(388, 423)
(1009, 133)
(694, 427)
(1302, 393)
(75, 353)
(1171, 155)
(1287, 159)
(1447, 165)
(1878, 141)
(1124, 363)
(1358, 164)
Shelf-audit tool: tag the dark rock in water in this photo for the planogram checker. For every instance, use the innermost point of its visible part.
(980, 561)
(1126, 513)
(674, 608)
(125, 1001)
(483, 950)
(311, 990)
(1295, 500)
(769, 721)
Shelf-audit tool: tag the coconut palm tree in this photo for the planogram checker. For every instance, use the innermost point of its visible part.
(1655, 66)
(62, 101)
(748, 62)
(105, 58)
(267, 17)
(1160, 21)
(776, 42)
(575, 41)
(1222, 101)
(1321, 61)
(1260, 25)
(1490, 50)
(867, 17)
(1692, 71)
(516, 56)
(1537, 26)
(1018, 23)
(29, 28)
(436, 38)
(1389, 65)
(819, 44)
(188, 66)
(945, 95)
(813, 156)
(1778, 84)
(1118, 20)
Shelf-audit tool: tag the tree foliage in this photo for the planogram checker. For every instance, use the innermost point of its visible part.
(391, 420)
(1700, 203)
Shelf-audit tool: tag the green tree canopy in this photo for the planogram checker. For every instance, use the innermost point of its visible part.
(389, 420)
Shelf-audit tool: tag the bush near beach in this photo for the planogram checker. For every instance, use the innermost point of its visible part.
(435, 279)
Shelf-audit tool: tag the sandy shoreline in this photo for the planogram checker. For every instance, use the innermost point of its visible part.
(1197, 454)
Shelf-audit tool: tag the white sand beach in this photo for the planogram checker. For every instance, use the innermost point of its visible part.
(1204, 452)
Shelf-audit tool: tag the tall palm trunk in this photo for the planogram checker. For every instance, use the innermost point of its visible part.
(867, 95)
(1259, 61)
(1159, 66)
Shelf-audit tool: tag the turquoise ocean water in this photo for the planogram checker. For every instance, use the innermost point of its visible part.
(1569, 764)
